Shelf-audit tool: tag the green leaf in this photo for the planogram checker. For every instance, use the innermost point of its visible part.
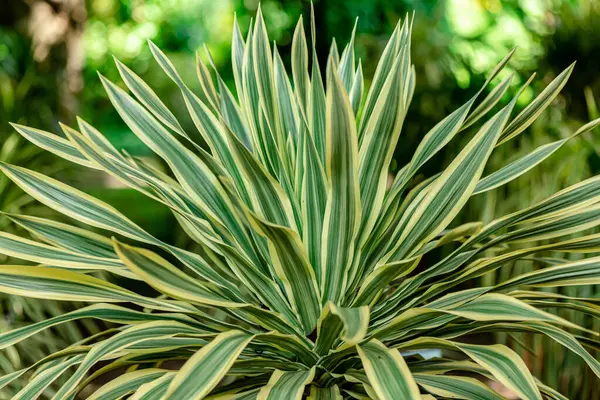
(127, 383)
(343, 209)
(166, 278)
(456, 387)
(328, 393)
(204, 370)
(293, 268)
(536, 107)
(264, 75)
(59, 284)
(286, 385)
(300, 66)
(381, 72)
(450, 191)
(313, 203)
(387, 372)
(30, 250)
(128, 337)
(358, 87)
(149, 98)
(338, 323)
(527, 162)
(105, 312)
(54, 144)
(154, 390)
(45, 377)
(503, 363)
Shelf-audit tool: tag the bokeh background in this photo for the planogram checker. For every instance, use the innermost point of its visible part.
(50, 51)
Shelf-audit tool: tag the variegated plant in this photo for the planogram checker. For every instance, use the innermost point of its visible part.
(311, 278)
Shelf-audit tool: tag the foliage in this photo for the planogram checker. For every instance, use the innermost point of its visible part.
(29, 94)
(312, 276)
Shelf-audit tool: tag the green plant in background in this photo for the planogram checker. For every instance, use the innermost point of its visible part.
(312, 278)
(28, 94)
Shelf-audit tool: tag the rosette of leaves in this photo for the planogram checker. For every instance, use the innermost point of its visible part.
(314, 278)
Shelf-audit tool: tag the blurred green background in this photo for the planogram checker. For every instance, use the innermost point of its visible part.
(50, 51)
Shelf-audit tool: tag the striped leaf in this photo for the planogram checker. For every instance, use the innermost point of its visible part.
(536, 107)
(527, 162)
(59, 284)
(456, 387)
(45, 377)
(387, 372)
(500, 361)
(451, 190)
(129, 337)
(54, 144)
(328, 393)
(300, 67)
(203, 371)
(286, 385)
(343, 209)
(127, 383)
(105, 312)
(292, 227)
(149, 98)
(338, 323)
(293, 269)
(166, 278)
(24, 249)
(206, 83)
(154, 390)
